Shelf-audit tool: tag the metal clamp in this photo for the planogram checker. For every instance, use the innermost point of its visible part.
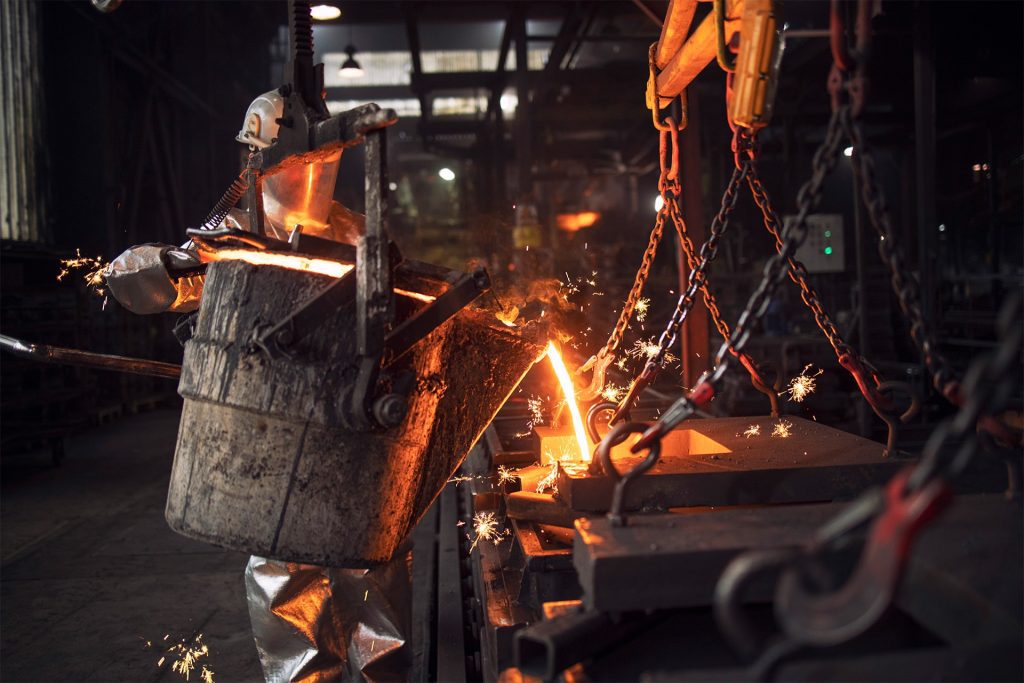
(622, 481)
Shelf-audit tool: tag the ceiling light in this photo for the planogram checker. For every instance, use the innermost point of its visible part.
(446, 174)
(324, 12)
(848, 152)
(659, 202)
(350, 67)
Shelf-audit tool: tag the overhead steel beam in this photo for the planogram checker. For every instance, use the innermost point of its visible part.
(496, 90)
(413, 36)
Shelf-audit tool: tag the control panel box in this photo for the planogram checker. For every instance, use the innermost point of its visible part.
(823, 251)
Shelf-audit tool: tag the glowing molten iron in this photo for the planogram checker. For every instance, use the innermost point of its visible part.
(570, 398)
(292, 262)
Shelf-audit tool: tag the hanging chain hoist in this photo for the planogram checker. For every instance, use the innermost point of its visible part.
(698, 262)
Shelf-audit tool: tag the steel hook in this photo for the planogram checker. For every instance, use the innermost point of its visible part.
(827, 619)
(622, 480)
(599, 363)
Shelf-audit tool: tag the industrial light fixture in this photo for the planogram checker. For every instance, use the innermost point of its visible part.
(659, 202)
(350, 67)
(446, 174)
(324, 12)
(848, 152)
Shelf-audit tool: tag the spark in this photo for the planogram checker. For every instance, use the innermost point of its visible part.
(643, 304)
(803, 385)
(752, 431)
(459, 479)
(188, 654)
(366, 595)
(648, 349)
(569, 391)
(94, 270)
(612, 392)
(534, 404)
(485, 525)
(621, 364)
(782, 429)
(505, 475)
(548, 482)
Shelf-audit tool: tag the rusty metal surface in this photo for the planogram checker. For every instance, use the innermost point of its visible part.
(264, 462)
(815, 463)
(674, 560)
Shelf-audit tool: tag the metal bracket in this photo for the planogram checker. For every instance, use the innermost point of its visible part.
(466, 290)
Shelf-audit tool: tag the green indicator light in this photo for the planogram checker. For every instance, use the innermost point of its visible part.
(828, 250)
(828, 233)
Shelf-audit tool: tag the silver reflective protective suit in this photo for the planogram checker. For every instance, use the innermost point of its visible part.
(316, 623)
(140, 282)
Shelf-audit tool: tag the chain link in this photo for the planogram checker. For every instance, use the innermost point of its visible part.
(693, 262)
(797, 271)
(904, 283)
(698, 275)
(638, 284)
(793, 236)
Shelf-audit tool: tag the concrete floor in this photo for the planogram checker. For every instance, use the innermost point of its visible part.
(90, 571)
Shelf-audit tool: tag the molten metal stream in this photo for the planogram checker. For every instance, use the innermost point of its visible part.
(570, 398)
(301, 263)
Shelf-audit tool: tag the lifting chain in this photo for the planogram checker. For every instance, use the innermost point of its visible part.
(693, 263)
(904, 283)
(793, 235)
(668, 186)
(697, 278)
(869, 381)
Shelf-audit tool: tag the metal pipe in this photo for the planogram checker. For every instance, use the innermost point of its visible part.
(101, 361)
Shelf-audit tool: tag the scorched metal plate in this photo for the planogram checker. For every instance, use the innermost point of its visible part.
(737, 461)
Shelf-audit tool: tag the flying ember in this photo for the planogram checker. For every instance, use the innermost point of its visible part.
(612, 392)
(752, 430)
(643, 304)
(782, 429)
(647, 349)
(93, 267)
(485, 525)
(803, 385)
(570, 398)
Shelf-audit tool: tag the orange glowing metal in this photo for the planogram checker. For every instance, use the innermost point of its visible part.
(570, 398)
(292, 262)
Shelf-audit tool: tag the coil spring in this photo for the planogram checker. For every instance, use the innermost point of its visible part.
(227, 202)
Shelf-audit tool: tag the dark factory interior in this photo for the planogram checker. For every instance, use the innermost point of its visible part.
(548, 340)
